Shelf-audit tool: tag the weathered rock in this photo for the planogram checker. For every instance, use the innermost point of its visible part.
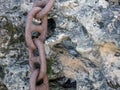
(85, 45)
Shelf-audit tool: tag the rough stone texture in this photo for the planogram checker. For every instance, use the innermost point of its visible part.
(85, 45)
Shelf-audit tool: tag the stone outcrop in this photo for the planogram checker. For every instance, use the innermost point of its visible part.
(83, 44)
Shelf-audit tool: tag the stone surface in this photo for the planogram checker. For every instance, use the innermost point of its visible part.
(85, 45)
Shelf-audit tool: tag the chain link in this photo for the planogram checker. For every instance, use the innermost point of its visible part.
(38, 68)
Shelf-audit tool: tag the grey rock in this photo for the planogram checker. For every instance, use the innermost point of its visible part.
(85, 45)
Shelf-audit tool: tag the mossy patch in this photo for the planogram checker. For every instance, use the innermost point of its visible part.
(50, 73)
(12, 30)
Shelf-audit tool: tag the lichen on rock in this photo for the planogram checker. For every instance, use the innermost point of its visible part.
(83, 44)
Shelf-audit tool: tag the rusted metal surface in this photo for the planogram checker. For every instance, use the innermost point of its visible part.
(38, 79)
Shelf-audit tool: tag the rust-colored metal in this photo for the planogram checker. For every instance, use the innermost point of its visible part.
(38, 73)
(39, 11)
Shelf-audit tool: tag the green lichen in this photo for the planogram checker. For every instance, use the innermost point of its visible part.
(12, 30)
(8, 25)
(49, 69)
(50, 72)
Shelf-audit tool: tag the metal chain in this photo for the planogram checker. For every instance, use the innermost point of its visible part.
(37, 64)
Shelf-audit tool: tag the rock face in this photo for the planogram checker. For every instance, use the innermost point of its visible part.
(85, 45)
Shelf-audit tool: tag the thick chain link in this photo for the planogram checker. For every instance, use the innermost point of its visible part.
(37, 64)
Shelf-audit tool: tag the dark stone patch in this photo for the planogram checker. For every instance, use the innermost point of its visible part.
(69, 84)
(3, 21)
(15, 8)
(51, 27)
(3, 86)
(101, 24)
(22, 63)
(88, 62)
(62, 0)
(74, 53)
(118, 67)
(35, 35)
(98, 75)
(117, 27)
(39, 82)
(107, 0)
(25, 14)
(119, 2)
(36, 52)
(31, 0)
(104, 86)
(84, 30)
(2, 73)
(37, 65)
(58, 45)
(113, 2)
(68, 44)
(21, 38)
(113, 85)
(62, 83)
(117, 54)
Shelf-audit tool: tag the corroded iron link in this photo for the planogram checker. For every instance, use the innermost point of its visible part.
(38, 73)
(39, 11)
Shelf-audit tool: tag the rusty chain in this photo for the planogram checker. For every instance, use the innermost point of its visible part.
(39, 11)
